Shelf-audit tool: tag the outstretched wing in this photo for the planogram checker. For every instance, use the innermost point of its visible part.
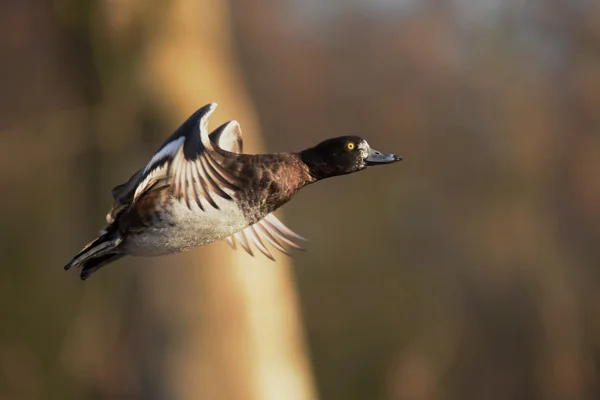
(188, 161)
(228, 137)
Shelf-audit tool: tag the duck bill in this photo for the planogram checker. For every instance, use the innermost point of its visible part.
(378, 158)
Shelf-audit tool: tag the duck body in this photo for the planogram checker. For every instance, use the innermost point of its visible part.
(199, 188)
(167, 225)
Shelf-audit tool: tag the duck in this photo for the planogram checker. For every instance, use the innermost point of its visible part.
(199, 188)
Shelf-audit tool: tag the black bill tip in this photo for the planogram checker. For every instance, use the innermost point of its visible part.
(378, 158)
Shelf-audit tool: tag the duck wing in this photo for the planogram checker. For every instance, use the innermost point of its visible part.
(194, 168)
(228, 136)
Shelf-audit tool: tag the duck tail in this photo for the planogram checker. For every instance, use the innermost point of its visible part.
(97, 253)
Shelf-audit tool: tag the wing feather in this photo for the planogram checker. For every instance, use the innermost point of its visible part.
(204, 189)
(231, 242)
(283, 231)
(212, 179)
(269, 229)
(262, 231)
(243, 241)
(255, 238)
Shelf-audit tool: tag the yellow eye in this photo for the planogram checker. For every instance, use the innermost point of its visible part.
(350, 146)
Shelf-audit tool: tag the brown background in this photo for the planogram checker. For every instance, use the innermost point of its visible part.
(468, 271)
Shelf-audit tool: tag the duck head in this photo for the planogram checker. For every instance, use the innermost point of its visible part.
(343, 155)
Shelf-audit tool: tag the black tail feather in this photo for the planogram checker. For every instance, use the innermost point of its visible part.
(94, 264)
(97, 253)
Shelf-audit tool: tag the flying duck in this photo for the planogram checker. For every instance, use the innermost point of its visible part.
(199, 188)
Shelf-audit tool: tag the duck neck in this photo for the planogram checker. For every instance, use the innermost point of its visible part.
(317, 165)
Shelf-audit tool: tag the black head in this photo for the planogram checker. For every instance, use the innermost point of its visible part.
(343, 155)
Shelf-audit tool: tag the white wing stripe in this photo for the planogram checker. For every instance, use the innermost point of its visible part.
(169, 150)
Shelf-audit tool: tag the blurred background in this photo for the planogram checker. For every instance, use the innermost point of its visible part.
(468, 271)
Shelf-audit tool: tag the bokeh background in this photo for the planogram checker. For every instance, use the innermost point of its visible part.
(468, 271)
